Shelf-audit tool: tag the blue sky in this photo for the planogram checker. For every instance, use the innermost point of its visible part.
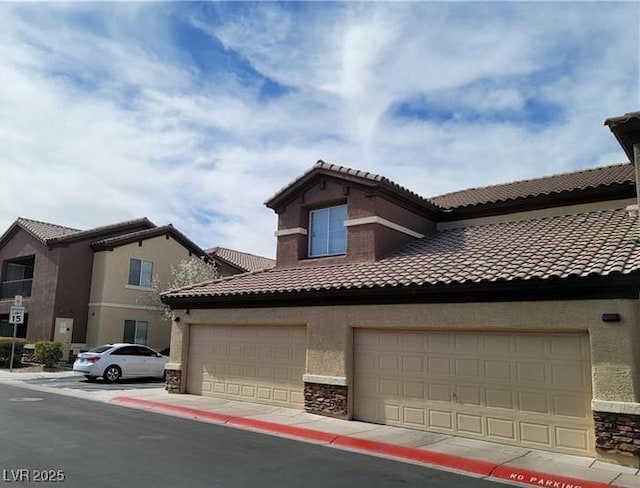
(195, 113)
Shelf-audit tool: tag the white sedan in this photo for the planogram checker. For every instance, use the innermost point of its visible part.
(115, 361)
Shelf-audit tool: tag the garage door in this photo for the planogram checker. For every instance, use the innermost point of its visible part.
(256, 364)
(530, 390)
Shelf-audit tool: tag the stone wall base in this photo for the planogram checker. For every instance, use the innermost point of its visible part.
(173, 380)
(330, 400)
(617, 433)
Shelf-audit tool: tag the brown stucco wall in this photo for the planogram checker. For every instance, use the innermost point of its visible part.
(330, 332)
(40, 306)
(74, 284)
(365, 242)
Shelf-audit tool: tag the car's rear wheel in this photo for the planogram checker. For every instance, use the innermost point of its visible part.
(112, 374)
(90, 378)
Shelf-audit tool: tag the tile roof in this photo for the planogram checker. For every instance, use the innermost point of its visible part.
(44, 230)
(596, 243)
(123, 239)
(52, 234)
(578, 180)
(106, 229)
(242, 260)
(354, 174)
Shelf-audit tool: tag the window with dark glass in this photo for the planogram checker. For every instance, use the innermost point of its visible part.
(327, 233)
(135, 332)
(17, 277)
(140, 272)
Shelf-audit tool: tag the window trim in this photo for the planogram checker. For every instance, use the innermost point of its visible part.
(310, 232)
(139, 286)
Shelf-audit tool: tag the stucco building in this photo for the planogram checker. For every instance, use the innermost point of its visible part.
(507, 313)
(84, 288)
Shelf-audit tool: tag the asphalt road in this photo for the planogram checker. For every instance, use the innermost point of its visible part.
(79, 382)
(94, 444)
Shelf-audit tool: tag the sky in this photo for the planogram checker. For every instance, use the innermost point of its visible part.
(196, 113)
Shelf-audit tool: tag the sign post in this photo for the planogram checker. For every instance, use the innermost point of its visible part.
(16, 316)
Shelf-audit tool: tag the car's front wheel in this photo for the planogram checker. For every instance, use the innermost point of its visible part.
(112, 374)
(90, 378)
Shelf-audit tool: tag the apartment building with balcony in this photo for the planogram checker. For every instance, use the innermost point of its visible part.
(50, 267)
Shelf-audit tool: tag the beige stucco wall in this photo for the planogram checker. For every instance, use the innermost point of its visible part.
(113, 301)
(538, 214)
(330, 331)
(107, 325)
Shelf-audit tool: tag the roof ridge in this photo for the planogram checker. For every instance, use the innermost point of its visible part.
(356, 173)
(528, 180)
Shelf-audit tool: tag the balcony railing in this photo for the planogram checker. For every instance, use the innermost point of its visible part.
(9, 289)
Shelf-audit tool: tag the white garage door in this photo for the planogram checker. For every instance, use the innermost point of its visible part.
(256, 364)
(530, 390)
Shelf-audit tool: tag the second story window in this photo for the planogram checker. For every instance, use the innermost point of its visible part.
(327, 233)
(17, 278)
(140, 272)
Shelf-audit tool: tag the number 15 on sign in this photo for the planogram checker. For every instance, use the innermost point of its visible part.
(16, 315)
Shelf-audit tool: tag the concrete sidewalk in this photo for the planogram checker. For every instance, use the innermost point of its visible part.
(515, 465)
(477, 458)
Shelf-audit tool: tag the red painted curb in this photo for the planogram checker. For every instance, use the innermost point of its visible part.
(174, 409)
(538, 478)
(424, 456)
(484, 468)
(291, 430)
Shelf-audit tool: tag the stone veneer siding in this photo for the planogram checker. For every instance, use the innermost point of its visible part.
(173, 380)
(324, 399)
(617, 432)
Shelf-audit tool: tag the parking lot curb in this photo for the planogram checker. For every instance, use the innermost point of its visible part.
(449, 461)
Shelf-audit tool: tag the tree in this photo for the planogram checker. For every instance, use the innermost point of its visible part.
(187, 272)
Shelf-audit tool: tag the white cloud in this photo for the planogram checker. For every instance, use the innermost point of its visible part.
(110, 118)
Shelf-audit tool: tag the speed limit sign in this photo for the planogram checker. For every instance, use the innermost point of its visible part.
(16, 315)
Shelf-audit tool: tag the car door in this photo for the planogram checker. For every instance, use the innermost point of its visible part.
(128, 358)
(145, 358)
(154, 363)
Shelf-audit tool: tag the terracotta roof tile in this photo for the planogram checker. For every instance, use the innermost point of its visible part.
(51, 234)
(243, 260)
(44, 230)
(580, 245)
(382, 181)
(104, 229)
(579, 180)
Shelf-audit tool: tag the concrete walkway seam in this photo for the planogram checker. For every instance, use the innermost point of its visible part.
(459, 463)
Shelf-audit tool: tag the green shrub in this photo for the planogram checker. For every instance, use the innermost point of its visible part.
(5, 352)
(48, 353)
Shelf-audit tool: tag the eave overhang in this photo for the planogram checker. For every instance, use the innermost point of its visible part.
(613, 191)
(574, 288)
(626, 129)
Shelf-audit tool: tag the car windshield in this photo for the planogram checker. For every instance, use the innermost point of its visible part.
(100, 349)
